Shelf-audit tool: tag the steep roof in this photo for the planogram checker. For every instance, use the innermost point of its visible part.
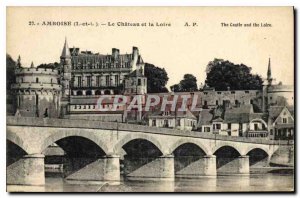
(140, 60)
(274, 112)
(205, 117)
(238, 114)
(66, 51)
(135, 74)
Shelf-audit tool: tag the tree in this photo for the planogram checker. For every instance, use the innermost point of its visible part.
(49, 65)
(157, 79)
(10, 72)
(189, 83)
(224, 75)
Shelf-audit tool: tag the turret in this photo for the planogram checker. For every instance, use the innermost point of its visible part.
(32, 65)
(19, 62)
(269, 73)
(65, 61)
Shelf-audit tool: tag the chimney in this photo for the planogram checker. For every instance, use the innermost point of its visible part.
(115, 53)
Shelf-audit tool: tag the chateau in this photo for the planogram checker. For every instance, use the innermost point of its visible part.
(71, 91)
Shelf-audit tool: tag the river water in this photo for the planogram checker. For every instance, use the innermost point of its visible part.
(275, 181)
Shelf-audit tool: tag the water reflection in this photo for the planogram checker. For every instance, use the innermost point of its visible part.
(227, 183)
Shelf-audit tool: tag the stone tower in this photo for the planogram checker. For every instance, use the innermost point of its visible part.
(65, 61)
(266, 87)
(36, 91)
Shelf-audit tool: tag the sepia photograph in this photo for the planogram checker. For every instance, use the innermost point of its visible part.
(150, 99)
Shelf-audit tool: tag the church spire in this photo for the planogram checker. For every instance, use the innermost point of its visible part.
(66, 51)
(19, 61)
(269, 73)
(32, 65)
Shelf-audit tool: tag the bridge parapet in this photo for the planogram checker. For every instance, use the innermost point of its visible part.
(89, 124)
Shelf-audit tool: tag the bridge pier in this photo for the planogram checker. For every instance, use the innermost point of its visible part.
(238, 165)
(205, 166)
(106, 168)
(243, 165)
(158, 168)
(29, 170)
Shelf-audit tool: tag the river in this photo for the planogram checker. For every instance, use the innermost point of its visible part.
(281, 180)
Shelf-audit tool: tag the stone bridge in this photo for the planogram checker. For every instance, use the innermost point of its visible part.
(100, 151)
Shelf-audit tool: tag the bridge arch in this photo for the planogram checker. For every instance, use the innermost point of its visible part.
(181, 142)
(61, 135)
(249, 148)
(119, 146)
(228, 144)
(258, 157)
(14, 138)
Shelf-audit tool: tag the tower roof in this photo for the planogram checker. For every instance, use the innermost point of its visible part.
(269, 74)
(140, 60)
(32, 65)
(66, 51)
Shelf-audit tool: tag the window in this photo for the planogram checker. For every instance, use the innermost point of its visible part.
(79, 81)
(88, 93)
(218, 126)
(116, 80)
(205, 93)
(107, 80)
(205, 103)
(153, 122)
(51, 81)
(251, 101)
(166, 123)
(236, 102)
(98, 92)
(255, 127)
(284, 120)
(206, 129)
(37, 80)
(246, 91)
(178, 122)
(233, 92)
(219, 92)
(98, 81)
(229, 125)
(139, 82)
(89, 81)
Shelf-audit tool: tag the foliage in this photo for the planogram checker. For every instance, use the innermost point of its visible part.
(224, 75)
(157, 79)
(10, 71)
(189, 83)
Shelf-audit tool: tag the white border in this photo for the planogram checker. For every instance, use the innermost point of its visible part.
(4, 3)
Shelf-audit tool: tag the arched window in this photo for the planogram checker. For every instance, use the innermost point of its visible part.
(79, 93)
(37, 80)
(107, 92)
(88, 93)
(98, 92)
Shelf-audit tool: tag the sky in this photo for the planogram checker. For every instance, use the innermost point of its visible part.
(179, 49)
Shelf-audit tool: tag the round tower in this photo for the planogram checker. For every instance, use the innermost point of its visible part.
(37, 92)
